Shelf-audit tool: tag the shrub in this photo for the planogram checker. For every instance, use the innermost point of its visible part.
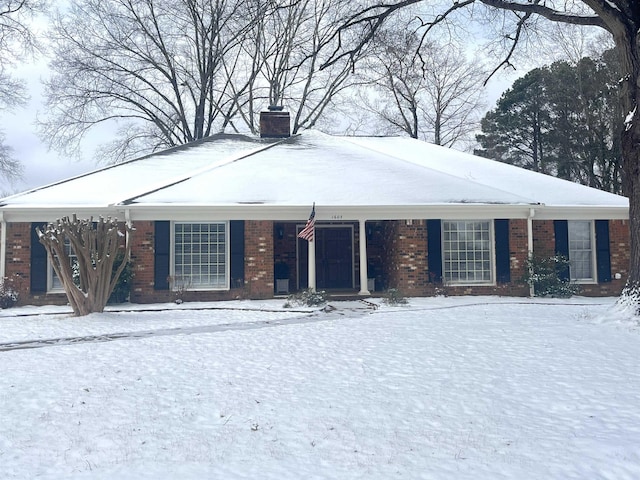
(543, 274)
(179, 286)
(122, 290)
(9, 294)
(306, 298)
(393, 296)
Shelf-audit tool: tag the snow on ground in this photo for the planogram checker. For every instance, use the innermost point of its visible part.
(462, 388)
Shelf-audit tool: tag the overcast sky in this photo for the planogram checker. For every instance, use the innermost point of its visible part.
(40, 165)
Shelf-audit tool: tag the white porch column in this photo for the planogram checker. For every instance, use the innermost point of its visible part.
(312, 265)
(532, 213)
(364, 287)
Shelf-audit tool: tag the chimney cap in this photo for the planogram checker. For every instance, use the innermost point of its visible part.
(275, 108)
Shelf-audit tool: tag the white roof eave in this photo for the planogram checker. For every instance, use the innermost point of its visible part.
(195, 212)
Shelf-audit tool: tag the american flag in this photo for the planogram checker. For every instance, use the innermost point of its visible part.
(307, 232)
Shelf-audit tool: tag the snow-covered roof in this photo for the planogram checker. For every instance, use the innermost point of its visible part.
(366, 173)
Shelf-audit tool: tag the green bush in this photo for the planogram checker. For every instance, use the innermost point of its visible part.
(306, 298)
(122, 290)
(544, 275)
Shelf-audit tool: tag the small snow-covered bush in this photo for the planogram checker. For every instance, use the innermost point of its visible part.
(306, 298)
(9, 294)
(543, 274)
(393, 296)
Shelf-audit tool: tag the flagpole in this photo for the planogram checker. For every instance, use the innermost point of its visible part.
(308, 234)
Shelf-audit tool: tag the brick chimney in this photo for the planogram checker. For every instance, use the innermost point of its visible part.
(275, 123)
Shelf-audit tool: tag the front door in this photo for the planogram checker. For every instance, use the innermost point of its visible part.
(334, 258)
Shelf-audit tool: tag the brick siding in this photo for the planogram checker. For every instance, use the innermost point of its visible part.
(398, 249)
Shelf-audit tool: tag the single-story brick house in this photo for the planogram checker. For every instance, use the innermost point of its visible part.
(221, 217)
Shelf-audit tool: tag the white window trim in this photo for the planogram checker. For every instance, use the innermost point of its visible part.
(594, 262)
(492, 254)
(227, 256)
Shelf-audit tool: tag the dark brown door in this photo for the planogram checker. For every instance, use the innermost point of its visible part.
(334, 258)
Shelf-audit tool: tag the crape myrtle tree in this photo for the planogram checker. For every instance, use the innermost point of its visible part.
(561, 120)
(437, 99)
(620, 18)
(17, 41)
(90, 279)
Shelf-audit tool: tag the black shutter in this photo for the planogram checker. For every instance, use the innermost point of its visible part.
(162, 247)
(38, 261)
(434, 250)
(503, 264)
(561, 231)
(603, 257)
(236, 250)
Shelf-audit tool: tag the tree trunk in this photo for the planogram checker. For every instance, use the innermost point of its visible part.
(628, 46)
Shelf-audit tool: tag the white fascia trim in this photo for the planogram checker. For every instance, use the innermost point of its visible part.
(191, 212)
(580, 212)
(326, 212)
(50, 214)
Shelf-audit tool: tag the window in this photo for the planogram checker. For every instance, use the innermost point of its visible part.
(200, 255)
(581, 250)
(55, 284)
(466, 251)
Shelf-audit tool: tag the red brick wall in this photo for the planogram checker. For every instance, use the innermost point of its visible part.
(518, 252)
(142, 259)
(18, 266)
(258, 254)
(544, 238)
(407, 248)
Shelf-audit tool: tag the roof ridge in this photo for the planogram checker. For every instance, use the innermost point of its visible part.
(200, 171)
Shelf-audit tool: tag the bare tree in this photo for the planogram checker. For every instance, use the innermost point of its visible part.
(17, 40)
(619, 18)
(153, 66)
(168, 72)
(437, 99)
(288, 48)
(95, 245)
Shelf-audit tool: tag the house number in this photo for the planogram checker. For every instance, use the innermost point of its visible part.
(336, 217)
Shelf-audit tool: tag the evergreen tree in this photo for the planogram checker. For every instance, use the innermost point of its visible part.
(516, 130)
(562, 120)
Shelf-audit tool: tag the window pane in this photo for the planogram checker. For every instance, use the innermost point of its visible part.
(56, 283)
(199, 255)
(466, 250)
(580, 250)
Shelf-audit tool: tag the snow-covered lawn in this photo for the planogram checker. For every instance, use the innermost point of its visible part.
(446, 388)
